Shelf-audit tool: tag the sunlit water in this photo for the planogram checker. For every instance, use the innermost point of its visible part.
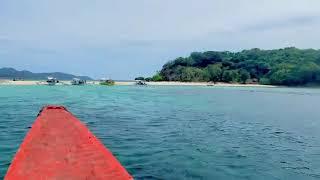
(183, 132)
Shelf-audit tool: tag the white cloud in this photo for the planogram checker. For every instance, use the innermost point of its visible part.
(163, 28)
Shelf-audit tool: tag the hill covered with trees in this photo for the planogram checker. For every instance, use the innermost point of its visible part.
(288, 66)
(10, 73)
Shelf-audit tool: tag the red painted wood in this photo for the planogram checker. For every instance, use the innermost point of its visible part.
(59, 147)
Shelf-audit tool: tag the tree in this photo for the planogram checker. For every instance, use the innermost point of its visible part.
(190, 74)
(139, 78)
(215, 72)
(197, 58)
(157, 77)
(148, 79)
(264, 81)
(280, 76)
(244, 75)
(230, 76)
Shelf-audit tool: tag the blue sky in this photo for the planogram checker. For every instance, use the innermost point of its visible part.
(123, 39)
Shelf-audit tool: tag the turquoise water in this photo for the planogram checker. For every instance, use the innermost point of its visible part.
(183, 132)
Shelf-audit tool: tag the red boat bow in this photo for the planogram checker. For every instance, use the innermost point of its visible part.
(59, 146)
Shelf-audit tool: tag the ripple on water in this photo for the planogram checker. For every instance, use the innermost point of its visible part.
(183, 132)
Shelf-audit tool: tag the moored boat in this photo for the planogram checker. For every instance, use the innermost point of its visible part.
(52, 81)
(77, 81)
(59, 146)
(141, 83)
(107, 82)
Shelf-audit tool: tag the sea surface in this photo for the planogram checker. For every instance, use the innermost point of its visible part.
(183, 132)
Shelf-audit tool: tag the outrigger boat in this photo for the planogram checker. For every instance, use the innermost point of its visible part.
(76, 81)
(59, 146)
(107, 82)
(52, 81)
(141, 83)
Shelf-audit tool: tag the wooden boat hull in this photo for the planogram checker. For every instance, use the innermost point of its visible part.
(59, 146)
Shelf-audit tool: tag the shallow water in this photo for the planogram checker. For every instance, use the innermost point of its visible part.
(183, 132)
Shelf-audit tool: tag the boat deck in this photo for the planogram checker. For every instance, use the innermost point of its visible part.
(59, 146)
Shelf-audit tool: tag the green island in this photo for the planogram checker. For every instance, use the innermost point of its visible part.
(289, 66)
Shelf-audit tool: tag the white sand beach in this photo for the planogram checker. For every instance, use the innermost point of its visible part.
(174, 83)
(29, 82)
(22, 83)
(129, 83)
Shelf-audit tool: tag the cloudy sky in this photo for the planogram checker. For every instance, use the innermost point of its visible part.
(122, 39)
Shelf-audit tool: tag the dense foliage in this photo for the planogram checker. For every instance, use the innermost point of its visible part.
(156, 77)
(289, 66)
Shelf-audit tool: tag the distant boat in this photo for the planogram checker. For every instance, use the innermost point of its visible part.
(52, 81)
(141, 83)
(17, 79)
(77, 81)
(107, 82)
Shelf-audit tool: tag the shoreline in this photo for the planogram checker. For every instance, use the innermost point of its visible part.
(131, 83)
